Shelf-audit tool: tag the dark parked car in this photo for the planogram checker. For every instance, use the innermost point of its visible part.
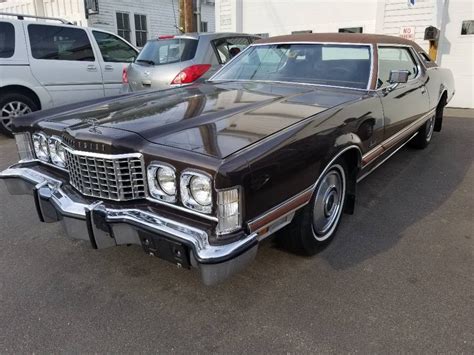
(199, 175)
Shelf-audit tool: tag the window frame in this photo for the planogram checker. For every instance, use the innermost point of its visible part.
(8, 24)
(342, 29)
(122, 13)
(29, 44)
(206, 23)
(462, 25)
(141, 31)
(412, 54)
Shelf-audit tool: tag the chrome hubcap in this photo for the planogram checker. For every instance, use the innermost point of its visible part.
(11, 110)
(328, 203)
(430, 128)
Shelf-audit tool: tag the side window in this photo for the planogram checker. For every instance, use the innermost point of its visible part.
(227, 48)
(7, 40)
(60, 43)
(395, 58)
(113, 49)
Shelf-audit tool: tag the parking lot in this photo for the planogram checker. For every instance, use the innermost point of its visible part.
(399, 276)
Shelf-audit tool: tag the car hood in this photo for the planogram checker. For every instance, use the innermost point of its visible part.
(215, 119)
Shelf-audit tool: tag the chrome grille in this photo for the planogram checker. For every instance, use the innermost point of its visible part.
(111, 177)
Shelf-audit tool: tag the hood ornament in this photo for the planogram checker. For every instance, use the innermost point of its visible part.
(93, 122)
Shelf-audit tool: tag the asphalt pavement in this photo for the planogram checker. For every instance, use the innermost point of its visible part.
(399, 277)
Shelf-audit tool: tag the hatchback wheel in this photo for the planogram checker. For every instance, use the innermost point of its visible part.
(11, 106)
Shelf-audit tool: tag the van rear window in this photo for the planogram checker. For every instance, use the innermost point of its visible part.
(7, 40)
(168, 51)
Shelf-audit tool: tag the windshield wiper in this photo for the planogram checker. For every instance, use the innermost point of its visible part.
(148, 61)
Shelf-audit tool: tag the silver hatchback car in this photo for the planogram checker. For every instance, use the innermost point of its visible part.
(182, 59)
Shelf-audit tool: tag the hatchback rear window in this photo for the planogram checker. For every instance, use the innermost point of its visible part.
(168, 51)
(7, 40)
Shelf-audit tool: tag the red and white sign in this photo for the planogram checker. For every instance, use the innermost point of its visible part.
(408, 32)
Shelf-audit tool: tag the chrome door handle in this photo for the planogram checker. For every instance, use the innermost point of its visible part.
(91, 67)
(109, 68)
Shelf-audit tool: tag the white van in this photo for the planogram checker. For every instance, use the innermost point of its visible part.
(45, 64)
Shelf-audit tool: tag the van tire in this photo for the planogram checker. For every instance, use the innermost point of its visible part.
(14, 104)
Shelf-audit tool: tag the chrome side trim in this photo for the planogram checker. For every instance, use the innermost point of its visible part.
(293, 203)
(399, 135)
(363, 176)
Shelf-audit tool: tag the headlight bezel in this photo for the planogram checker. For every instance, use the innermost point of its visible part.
(55, 158)
(187, 198)
(155, 190)
(38, 139)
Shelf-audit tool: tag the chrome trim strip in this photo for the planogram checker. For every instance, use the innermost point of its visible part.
(102, 156)
(196, 237)
(184, 209)
(363, 176)
(285, 208)
(397, 135)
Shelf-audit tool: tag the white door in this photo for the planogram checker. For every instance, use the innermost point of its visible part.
(115, 55)
(456, 50)
(63, 61)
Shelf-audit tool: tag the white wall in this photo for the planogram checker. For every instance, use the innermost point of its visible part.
(457, 52)
(278, 17)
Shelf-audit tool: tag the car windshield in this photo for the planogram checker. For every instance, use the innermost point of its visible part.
(167, 51)
(323, 64)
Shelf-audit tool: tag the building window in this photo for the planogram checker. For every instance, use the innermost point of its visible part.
(467, 27)
(204, 26)
(92, 7)
(350, 30)
(123, 25)
(298, 32)
(141, 34)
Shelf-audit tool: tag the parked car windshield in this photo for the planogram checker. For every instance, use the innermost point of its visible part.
(159, 52)
(323, 64)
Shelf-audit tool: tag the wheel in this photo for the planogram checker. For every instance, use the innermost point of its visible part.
(13, 105)
(315, 226)
(425, 133)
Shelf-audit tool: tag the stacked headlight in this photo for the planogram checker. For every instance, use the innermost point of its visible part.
(40, 145)
(162, 182)
(196, 191)
(57, 152)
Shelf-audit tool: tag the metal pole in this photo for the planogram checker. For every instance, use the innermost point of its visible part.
(198, 16)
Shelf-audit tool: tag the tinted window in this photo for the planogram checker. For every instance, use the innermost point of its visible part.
(227, 48)
(59, 43)
(114, 49)
(324, 64)
(393, 58)
(351, 30)
(7, 40)
(168, 51)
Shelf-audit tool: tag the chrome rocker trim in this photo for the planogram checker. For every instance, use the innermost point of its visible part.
(215, 262)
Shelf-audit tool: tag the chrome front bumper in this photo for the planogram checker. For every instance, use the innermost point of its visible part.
(106, 227)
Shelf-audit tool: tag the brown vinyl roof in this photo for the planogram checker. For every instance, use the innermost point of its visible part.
(342, 38)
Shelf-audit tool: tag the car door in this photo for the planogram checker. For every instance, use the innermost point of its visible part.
(116, 54)
(406, 102)
(63, 61)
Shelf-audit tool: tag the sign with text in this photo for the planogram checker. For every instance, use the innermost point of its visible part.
(408, 32)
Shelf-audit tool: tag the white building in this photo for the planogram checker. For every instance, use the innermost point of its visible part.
(455, 19)
(135, 20)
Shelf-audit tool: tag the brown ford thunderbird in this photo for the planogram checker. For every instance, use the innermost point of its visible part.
(199, 175)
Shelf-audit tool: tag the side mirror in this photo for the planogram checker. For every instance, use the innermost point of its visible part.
(398, 76)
